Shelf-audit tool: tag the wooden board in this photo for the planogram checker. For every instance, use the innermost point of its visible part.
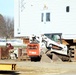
(7, 67)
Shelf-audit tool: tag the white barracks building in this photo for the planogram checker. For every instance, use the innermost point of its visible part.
(45, 16)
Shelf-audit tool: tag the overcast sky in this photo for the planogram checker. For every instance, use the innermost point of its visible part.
(7, 8)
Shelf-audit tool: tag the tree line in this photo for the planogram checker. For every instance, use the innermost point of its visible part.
(6, 27)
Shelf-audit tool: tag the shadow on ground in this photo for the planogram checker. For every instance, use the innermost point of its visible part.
(9, 73)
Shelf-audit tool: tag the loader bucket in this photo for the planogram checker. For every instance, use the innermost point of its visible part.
(45, 58)
(50, 58)
(56, 58)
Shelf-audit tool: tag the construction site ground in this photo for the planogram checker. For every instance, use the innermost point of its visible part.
(41, 68)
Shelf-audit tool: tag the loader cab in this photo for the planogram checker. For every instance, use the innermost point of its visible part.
(55, 37)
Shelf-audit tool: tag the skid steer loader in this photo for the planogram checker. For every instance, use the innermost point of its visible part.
(48, 48)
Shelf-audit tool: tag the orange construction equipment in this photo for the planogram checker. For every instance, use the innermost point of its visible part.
(33, 49)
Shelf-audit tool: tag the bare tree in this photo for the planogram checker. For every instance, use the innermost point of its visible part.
(2, 26)
(6, 27)
(9, 27)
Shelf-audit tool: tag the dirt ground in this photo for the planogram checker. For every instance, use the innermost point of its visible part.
(42, 68)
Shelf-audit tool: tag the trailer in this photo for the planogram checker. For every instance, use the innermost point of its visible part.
(37, 17)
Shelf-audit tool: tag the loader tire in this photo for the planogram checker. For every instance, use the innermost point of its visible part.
(35, 59)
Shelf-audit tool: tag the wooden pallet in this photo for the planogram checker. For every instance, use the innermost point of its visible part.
(24, 57)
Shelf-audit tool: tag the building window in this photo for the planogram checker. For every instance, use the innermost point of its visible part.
(42, 17)
(67, 9)
(47, 17)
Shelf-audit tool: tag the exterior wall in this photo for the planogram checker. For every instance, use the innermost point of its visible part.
(30, 17)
